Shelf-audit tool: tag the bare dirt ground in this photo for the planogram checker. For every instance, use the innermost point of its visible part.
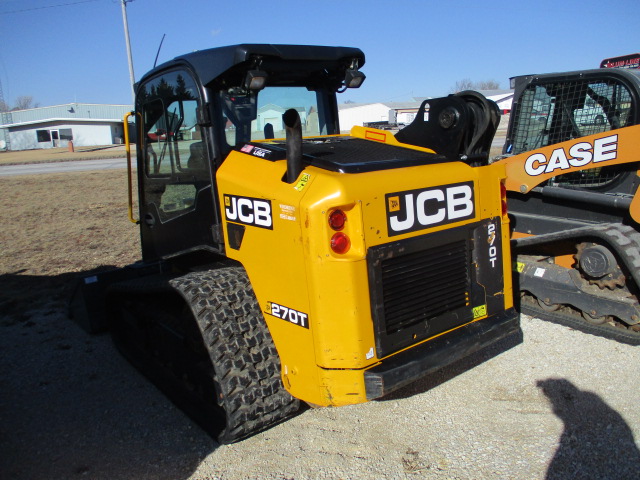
(56, 225)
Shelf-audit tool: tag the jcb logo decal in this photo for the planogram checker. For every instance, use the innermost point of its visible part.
(249, 211)
(429, 207)
(579, 155)
(394, 204)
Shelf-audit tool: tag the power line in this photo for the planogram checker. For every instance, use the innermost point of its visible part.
(48, 6)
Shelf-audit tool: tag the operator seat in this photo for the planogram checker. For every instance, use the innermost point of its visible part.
(197, 156)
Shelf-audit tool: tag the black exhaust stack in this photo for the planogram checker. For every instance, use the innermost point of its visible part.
(293, 127)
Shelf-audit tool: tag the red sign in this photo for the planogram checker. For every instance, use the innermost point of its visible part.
(625, 61)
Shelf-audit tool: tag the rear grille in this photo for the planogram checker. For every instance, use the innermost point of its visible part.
(423, 285)
(420, 287)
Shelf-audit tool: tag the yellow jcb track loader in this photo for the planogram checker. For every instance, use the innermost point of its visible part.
(284, 262)
(572, 155)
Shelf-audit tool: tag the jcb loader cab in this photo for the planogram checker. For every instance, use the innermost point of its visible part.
(283, 261)
(572, 159)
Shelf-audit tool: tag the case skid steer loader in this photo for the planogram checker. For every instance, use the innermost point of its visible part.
(284, 262)
(572, 153)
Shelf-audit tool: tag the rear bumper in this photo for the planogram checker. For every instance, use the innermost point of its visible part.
(417, 362)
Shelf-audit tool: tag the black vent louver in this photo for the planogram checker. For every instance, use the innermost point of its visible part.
(424, 285)
(419, 287)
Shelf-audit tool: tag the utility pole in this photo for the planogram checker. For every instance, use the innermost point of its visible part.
(2, 104)
(5, 118)
(126, 38)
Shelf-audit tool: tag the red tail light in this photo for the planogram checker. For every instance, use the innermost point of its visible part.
(337, 219)
(340, 243)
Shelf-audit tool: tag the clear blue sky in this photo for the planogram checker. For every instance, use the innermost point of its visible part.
(62, 51)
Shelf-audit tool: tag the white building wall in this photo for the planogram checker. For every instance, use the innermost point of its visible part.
(89, 135)
(23, 140)
(504, 101)
(351, 116)
(406, 117)
(505, 105)
(84, 135)
(269, 115)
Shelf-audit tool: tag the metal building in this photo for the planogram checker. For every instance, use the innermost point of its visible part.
(48, 127)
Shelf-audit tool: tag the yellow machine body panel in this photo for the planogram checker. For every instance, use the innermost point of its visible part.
(316, 302)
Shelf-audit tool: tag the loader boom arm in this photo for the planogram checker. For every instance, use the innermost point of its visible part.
(527, 170)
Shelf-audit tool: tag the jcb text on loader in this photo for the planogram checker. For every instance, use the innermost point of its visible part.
(282, 261)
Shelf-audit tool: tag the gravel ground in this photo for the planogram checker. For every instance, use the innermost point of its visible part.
(559, 405)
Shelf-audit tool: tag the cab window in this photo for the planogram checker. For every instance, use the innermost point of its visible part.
(174, 153)
(258, 116)
(560, 111)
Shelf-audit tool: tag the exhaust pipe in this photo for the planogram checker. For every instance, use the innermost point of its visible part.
(293, 127)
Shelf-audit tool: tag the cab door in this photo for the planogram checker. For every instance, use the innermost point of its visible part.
(177, 211)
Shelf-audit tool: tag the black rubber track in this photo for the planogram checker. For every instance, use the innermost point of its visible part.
(245, 361)
(563, 316)
(623, 239)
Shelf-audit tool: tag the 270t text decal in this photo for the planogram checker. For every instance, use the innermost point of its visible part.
(288, 314)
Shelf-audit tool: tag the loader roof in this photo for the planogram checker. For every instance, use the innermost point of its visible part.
(631, 77)
(211, 63)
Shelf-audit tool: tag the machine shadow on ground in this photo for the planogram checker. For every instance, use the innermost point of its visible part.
(71, 406)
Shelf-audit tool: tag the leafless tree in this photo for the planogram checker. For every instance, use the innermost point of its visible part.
(488, 85)
(464, 84)
(24, 102)
(467, 84)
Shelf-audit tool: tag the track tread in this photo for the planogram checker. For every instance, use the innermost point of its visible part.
(244, 357)
(577, 323)
(625, 240)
